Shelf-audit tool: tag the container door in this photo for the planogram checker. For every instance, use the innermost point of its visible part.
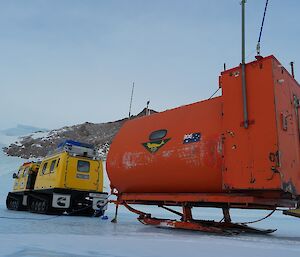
(247, 151)
(82, 174)
(287, 95)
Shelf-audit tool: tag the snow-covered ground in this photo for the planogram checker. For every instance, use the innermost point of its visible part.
(27, 234)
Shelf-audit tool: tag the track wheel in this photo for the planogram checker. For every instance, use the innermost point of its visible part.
(39, 206)
(18, 205)
(15, 205)
(31, 207)
(43, 207)
(36, 206)
(10, 204)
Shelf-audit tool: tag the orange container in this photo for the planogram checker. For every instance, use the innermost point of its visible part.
(168, 164)
(204, 148)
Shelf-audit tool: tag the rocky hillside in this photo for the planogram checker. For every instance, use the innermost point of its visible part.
(38, 144)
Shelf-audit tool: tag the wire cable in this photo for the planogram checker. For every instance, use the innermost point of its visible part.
(250, 222)
(214, 93)
(261, 28)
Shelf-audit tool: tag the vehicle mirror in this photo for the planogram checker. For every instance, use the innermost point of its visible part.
(15, 175)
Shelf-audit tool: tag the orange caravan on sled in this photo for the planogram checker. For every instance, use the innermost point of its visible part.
(207, 154)
(238, 150)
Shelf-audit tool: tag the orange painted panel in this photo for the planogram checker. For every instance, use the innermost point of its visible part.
(179, 165)
(287, 91)
(265, 156)
(247, 163)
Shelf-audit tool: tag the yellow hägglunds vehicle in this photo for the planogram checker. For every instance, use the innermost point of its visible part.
(68, 180)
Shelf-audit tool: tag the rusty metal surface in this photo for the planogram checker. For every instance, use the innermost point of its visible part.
(234, 200)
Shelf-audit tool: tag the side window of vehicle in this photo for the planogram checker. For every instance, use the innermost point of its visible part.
(83, 166)
(52, 166)
(44, 168)
(20, 172)
(25, 173)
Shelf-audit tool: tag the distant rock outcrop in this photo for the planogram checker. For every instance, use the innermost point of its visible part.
(38, 144)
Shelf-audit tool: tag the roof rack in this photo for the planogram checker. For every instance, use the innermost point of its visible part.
(76, 148)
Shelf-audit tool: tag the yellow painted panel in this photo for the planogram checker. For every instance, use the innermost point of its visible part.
(70, 172)
(84, 174)
(49, 172)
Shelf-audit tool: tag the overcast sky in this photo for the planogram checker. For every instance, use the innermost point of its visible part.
(64, 62)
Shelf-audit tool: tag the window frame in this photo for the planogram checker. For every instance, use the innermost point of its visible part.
(25, 172)
(44, 168)
(82, 161)
(20, 172)
(52, 169)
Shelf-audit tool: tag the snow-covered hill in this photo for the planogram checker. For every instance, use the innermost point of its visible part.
(21, 130)
(27, 234)
(37, 143)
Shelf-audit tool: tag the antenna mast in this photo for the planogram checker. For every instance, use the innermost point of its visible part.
(243, 64)
(131, 97)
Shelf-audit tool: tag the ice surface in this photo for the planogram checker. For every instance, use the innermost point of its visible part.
(21, 130)
(27, 234)
(6, 140)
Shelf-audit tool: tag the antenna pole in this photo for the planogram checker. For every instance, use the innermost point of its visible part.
(243, 30)
(292, 69)
(131, 97)
(147, 108)
(243, 64)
